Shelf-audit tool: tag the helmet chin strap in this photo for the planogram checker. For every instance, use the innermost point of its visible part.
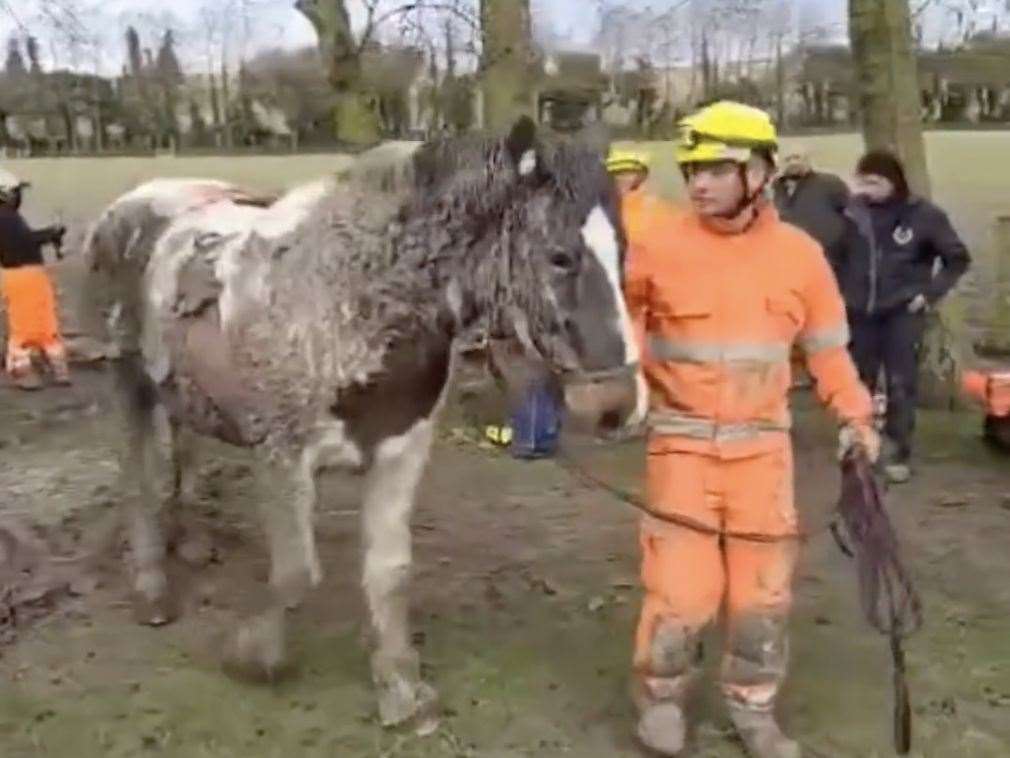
(748, 199)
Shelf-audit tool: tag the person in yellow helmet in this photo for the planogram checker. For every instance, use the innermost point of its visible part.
(717, 298)
(639, 207)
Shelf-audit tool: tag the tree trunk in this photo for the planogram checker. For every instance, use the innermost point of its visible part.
(889, 83)
(780, 84)
(507, 61)
(888, 86)
(356, 117)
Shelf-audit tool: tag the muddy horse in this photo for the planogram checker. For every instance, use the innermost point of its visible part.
(317, 330)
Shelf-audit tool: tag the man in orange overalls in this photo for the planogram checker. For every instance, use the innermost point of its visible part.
(718, 299)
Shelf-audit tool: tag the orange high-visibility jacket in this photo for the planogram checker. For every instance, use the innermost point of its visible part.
(640, 210)
(717, 316)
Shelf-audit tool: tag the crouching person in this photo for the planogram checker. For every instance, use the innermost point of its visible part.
(28, 291)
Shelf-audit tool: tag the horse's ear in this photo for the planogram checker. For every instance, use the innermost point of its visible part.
(521, 144)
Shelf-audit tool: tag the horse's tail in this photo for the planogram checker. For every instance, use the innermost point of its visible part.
(116, 250)
(110, 301)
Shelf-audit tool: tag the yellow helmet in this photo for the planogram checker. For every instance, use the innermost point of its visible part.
(620, 161)
(726, 131)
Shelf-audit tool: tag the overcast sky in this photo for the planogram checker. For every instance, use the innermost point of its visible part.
(276, 23)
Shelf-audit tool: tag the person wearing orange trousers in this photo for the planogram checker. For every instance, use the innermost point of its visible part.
(718, 298)
(28, 291)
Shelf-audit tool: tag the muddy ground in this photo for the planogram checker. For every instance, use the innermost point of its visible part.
(524, 602)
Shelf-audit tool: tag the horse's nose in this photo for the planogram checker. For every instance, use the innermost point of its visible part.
(602, 406)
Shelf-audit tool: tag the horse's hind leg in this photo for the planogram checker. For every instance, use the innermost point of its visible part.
(140, 469)
(288, 492)
(185, 466)
(388, 504)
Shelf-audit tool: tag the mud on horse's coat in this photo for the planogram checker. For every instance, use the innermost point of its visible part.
(318, 331)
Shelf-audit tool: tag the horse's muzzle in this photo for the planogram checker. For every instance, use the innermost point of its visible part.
(603, 402)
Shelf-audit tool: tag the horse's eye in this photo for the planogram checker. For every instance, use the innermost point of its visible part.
(564, 262)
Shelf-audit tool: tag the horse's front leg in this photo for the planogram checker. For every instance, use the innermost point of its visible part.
(388, 503)
(288, 495)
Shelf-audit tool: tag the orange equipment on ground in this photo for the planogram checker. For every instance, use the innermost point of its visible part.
(992, 391)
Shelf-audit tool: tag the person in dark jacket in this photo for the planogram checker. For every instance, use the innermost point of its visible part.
(28, 291)
(900, 257)
(814, 201)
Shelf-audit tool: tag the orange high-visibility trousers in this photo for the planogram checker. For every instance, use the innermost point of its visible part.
(31, 317)
(690, 576)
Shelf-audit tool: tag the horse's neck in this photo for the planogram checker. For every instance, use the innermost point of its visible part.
(452, 267)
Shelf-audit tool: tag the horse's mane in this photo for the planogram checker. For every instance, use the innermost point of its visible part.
(474, 170)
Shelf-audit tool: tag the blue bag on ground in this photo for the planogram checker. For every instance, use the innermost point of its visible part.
(536, 423)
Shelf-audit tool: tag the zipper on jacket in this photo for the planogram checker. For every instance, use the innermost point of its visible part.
(874, 254)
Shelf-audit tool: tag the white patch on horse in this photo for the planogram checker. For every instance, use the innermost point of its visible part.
(169, 197)
(454, 299)
(528, 163)
(293, 209)
(600, 236)
(389, 500)
(329, 447)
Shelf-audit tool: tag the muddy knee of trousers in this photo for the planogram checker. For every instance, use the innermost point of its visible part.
(675, 649)
(756, 660)
(674, 657)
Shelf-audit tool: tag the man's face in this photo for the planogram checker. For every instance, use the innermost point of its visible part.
(875, 188)
(717, 190)
(629, 181)
(797, 163)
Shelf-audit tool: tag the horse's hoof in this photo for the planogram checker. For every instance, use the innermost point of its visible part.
(196, 549)
(402, 702)
(153, 604)
(256, 651)
(154, 612)
(426, 719)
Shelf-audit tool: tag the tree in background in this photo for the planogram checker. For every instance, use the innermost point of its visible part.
(888, 80)
(15, 63)
(32, 48)
(357, 117)
(507, 60)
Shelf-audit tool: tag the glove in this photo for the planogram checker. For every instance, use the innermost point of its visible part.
(859, 436)
(56, 239)
(919, 304)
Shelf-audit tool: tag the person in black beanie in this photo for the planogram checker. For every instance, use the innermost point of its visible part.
(889, 278)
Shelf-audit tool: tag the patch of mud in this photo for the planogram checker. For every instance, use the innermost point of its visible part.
(36, 581)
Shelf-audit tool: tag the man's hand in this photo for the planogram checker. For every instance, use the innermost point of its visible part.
(58, 233)
(919, 304)
(859, 437)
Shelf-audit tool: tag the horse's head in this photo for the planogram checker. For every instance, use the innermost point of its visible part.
(561, 274)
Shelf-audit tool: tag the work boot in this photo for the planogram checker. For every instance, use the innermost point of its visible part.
(28, 380)
(761, 735)
(61, 373)
(897, 473)
(662, 728)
